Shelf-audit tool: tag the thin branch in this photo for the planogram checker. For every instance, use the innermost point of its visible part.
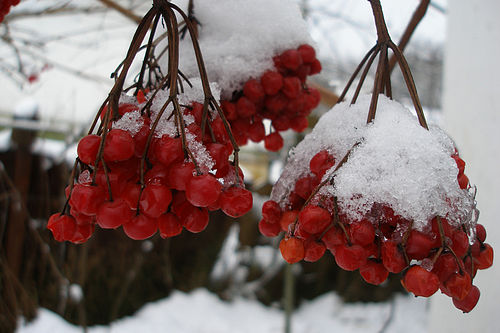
(122, 10)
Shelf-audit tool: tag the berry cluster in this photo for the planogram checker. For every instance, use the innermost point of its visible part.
(280, 95)
(145, 182)
(443, 257)
(5, 7)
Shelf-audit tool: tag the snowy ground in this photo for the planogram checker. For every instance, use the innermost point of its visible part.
(202, 312)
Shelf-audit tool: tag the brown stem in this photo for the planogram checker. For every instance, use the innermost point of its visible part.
(378, 85)
(382, 33)
(356, 71)
(364, 74)
(410, 83)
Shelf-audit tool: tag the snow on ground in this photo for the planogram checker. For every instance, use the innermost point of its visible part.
(202, 312)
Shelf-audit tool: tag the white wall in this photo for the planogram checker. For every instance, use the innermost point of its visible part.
(472, 117)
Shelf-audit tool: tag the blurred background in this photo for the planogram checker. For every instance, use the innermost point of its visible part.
(55, 60)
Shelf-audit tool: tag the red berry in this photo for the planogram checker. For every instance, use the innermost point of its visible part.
(460, 243)
(287, 219)
(314, 219)
(313, 251)
(276, 103)
(271, 82)
(292, 249)
(179, 175)
(169, 225)
(418, 245)
(141, 227)
(315, 67)
(82, 233)
(203, 190)
(236, 201)
(269, 229)
(88, 147)
(291, 59)
(299, 124)
(469, 301)
(457, 286)
(155, 199)
(168, 150)
(485, 258)
(460, 164)
(321, 162)
(271, 211)
(63, 227)
(256, 131)
(307, 53)
(87, 198)
(112, 214)
(273, 142)
(445, 266)
(480, 233)
(119, 145)
(281, 123)
(131, 194)
(334, 237)
(362, 232)
(291, 87)
(392, 257)
(245, 107)
(351, 257)
(463, 181)
(253, 90)
(420, 282)
(304, 187)
(229, 110)
(194, 219)
(373, 272)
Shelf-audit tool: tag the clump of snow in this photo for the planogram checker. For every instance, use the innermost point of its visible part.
(131, 122)
(238, 38)
(26, 109)
(202, 312)
(191, 94)
(392, 161)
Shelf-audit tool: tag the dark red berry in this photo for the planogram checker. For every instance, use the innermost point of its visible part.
(88, 147)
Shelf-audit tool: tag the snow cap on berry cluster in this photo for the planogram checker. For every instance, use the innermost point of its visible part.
(238, 38)
(397, 162)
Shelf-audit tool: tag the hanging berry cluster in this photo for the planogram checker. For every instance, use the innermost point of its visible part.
(5, 7)
(280, 95)
(159, 160)
(385, 196)
(261, 69)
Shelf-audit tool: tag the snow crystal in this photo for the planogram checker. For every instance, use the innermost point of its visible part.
(131, 122)
(392, 160)
(200, 153)
(238, 38)
(194, 93)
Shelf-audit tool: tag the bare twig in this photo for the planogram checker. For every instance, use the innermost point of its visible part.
(122, 10)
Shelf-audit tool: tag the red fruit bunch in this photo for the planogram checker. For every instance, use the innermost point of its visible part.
(280, 95)
(445, 257)
(5, 7)
(146, 175)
